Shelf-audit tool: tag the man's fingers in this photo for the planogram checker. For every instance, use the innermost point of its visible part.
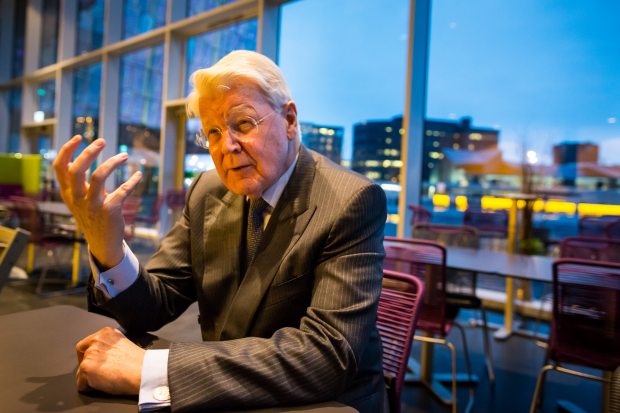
(98, 178)
(123, 191)
(78, 168)
(61, 163)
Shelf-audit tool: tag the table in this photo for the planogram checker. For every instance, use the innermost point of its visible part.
(39, 363)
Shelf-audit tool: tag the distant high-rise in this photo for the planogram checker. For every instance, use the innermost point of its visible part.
(376, 149)
(377, 146)
(568, 155)
(326, 140)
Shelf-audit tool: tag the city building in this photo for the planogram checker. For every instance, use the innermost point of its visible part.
(326, 140)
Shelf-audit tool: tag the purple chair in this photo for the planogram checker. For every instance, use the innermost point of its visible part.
(585, 328)
(595, 226)
(590, 248)
(419, 215)
(427, 261)
(461, 285)
(612, 230)
(491, 223)
(397, 316)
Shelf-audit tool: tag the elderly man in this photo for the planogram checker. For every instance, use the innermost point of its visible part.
(281, 248)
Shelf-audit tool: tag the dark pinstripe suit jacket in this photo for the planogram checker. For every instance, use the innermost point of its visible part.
(299, 326)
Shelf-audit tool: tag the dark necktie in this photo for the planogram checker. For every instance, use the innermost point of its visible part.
(255, 227)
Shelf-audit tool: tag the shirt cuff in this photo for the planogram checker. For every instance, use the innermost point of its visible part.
(117, 279)
(154, 391)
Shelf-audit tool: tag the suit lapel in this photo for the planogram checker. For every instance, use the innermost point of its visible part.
(286, 225)
(223, 227)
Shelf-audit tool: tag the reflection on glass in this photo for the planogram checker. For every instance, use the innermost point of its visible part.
(206, 49)
(345, 78)
(86, 90)
(15, 117)
(548, 128)
(89, 34)
(45, 100)
(19, 31)
(142, 16)
(203, 51)
(49, 33)
(199, 6)
(140, 115)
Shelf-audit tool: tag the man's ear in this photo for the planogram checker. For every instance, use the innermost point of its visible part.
(290, 114)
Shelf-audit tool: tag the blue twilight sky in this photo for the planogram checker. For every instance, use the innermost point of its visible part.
(541, 71)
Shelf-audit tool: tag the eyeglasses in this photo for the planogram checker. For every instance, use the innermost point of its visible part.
(238, 126)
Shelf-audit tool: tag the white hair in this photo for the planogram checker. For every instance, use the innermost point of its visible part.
(239, 65)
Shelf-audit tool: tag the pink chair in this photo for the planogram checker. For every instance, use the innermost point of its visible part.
(397, 316)
(585, 328)
(427, 261)
(590, 248)
(487, 222)
(595, 226)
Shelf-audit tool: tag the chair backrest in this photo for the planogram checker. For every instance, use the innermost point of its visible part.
(29, 217)
(130, 214)
(612, 229)
(397, 316)
(590, 248)
(585, 327)
(487, 221)
(595, 226)
(427, 261)
(419, 215)
(148, 213)
(12, 243)
(462, 283)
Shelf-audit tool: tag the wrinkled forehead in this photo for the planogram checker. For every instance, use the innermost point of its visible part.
(223, 100)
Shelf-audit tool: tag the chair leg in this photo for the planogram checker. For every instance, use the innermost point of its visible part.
(41, 281)
(453, 354)
(488, 355)
(470, 403)
(540, 382)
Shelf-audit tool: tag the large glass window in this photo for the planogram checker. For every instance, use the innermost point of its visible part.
(142, 16)
(46, 93)
(19, 32)
(346, 69)
(49, 33)
(90, 17)
(200, 6)
(523, 97)
(203, 51)
(15, 116)
(86, 90)
(140, 114)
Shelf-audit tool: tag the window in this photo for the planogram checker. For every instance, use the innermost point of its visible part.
(49, 33)
(19, 31)
(46, 92)
(346, 69)
(142, 16)
(90, 17)
(527, 93)
(15, 115)
(200, 6)
(86, 90)
(140, 114)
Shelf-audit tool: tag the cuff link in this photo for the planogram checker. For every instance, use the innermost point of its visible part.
(162, 394)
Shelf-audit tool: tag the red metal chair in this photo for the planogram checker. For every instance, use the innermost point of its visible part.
(427, 261)
(461, 285)
(590, 248)
(585, 328)
(595, 226)
(397, 316)
(43, 234)
(487, 222)
(175, 201)
(612, 230)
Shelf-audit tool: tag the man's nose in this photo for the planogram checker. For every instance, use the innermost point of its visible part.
(230, 144)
